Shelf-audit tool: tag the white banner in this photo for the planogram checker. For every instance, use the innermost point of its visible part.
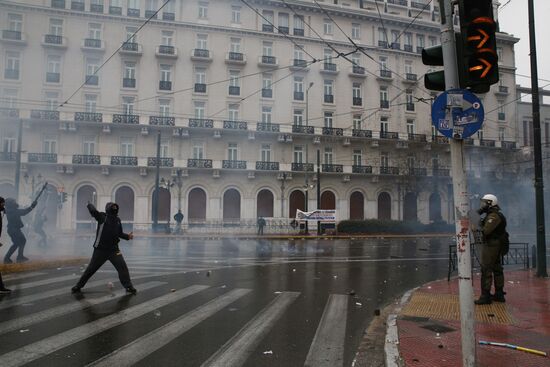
(320, 215)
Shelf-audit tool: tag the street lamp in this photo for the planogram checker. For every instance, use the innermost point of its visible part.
(307, 160)
(178, 182)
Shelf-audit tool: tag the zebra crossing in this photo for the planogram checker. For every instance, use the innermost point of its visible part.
(52, 303)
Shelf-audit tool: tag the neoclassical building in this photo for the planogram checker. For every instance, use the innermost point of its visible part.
(245, 96)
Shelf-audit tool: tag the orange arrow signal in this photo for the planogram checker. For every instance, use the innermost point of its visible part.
(485, 67)
(483, 38)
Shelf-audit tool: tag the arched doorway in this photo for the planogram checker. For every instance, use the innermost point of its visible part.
(83, 195)
(435, 207)
(264, 204)
(357, 206)
(196, 205)
(297, 201)
(384, 206)
(410, 211)
(232, 205)
(164, 205)
(124, 197)
(7, 190)
(49, 204)
(328, 200)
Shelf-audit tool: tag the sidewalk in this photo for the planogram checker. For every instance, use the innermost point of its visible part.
(428, 324)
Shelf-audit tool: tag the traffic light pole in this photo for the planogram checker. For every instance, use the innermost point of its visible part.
(461, 203)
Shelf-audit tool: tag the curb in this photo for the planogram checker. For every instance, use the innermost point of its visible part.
(41, 264)
(391, 350)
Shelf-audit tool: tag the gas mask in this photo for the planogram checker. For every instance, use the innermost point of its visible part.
(483, 208)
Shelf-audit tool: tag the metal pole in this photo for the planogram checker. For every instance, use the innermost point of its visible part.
(318, 188)
(156, 192)
(539, 193)
(461, 204)
(18, 159)
(283, 195)
(307, 184)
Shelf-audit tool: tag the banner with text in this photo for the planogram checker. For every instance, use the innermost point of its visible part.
(320, 215)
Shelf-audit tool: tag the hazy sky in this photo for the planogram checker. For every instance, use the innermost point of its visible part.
(514, 19)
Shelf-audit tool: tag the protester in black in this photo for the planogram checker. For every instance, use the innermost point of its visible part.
(108, 234)
(15, 224)
(3, 289)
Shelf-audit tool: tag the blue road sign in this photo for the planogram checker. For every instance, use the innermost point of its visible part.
(457, 113)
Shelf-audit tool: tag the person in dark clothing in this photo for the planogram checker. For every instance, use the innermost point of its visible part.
(14, 214)
(261, 224)
(108, 234)
(3, 289)
(178, 217)
(493, 228)
(38, 226)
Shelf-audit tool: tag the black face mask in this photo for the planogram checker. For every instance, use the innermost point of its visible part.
(483, 208)
(112, 209)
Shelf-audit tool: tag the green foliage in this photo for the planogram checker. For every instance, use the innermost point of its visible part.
(392, 227)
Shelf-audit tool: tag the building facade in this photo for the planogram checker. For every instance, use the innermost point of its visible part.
(245, 95)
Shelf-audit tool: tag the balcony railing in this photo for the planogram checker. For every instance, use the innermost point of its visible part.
(487, 143)
(201, 123)
(162, 120)
(384, 104)
(77, 5)
(86, 159)
(11, 74)
(420, 138)
(165, 85)
(128, 82)
(235, 56)
(91, 80)
(396, 45)
(235, 125)
(417, 5)
(298, 96)
(440, 139)
(299, 63)
(267, 28)
(333, 168)
(53, 39)
(503, 89)
(200, 88)
(199, 52)
(199, 163)
(130, 46)
(417, 171)
(133, 12)
(389, 135)
(283, 29)
(92, 43)
(96, 8)
(58, 4)
(300, 129)
(44, 114)
(501, 116)
(167, 50)
(268, 126)
(328, 98)
(234, 90)
(53, 77)
(119, 160)
(408, 48)
(163, 162)
(8, 156)
(329, 66)
(385, 73)
(410, 107)
(358, 70)
(298, 32)
(12, 35)
(361, 169)
(508, 144)
(302, 167)
(361, 133)
(383, 44)
(88, 116)
(411, 77)
(419, 49)
(267, 166)
(387, 170)
(115, 10)
(151, 14)
(270, 60)
(233, 164)
(267, 93)
(333, 131)
(440, 172)
(125, 119)
(168, 16)
(42, 157)
(9, 112)
(357, 101)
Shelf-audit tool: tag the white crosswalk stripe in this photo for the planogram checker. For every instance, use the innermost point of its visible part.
(10, 277)
(47, 281)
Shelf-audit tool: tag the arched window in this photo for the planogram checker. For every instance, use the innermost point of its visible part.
(124, 197)
(264, 203)
(83, 195)
(328, 200)
(410, 211)
(297, 200)
(357, 206)
(435, 207)
(384, 206)
(196, 205)
(231, 205)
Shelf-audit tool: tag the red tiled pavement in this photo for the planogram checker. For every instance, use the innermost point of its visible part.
(527, 301)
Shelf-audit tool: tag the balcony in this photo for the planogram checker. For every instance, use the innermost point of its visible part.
(389, 135)
(235, 125)
(383, 44)
(408, 48)
(44, 115)
(267, 166)
(93, 43)
(501, 116)
(236, 58)
(410, 107)
(131, 48)
(387, 170)
(8, 156)
(332, 168)
(267, 127)
(233, 164)
(302, 167)
(96, 8)
(58, 4)
(165, 85)
(357, 101)
(358, 71)
(508, 144)
(267, 27)
(502, 90)
(267, 93)
(42, 157)
(133, 12)
(440, 139)
(199, 163)
(201, 123)
(200, 88)
(151, 14)
(298, 96)
(9, 112)
(283, 30)
(419, 138)
(128, 83)
(53, 77)
(119, 160)
(417, 171)
(267, 61)
(361, 169)
(200, 54)
(298, 32)
(419, 49)
(333, 131)
(385, 74)
(384, 104)
(162, 120)
(234, 90)
(88, 116)
(357, 133)
(166, 51)
(417, 5)
(86, 159)
(115, 10)
(395, 46)
(163, 162)
(329, 67)
(91, 80)
(410, 78)
(53, 40)
(125, 119)
(77, 5)
(440, 172)
(300, 129)
(12, 74)
(469, 141)
(168, 16)
(328, 98)
(487, 143)
(12, 35)
(299, 64)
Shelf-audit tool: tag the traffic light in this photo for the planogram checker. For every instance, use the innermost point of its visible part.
(433, 56)
(478, 60)
(63, 197)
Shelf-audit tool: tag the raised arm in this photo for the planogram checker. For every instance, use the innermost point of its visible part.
(27, 210)
(93, 211)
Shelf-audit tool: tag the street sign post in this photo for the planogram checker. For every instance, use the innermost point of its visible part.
(457, 113)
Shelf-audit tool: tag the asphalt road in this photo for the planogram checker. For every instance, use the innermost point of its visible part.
(213, 303)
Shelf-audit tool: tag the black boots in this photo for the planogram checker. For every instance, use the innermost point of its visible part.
(484, 299)
(499, 295)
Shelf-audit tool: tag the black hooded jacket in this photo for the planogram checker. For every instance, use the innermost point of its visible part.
(109, 228)
(14, 214)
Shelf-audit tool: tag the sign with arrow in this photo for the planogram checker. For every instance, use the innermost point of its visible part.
(457, 113)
